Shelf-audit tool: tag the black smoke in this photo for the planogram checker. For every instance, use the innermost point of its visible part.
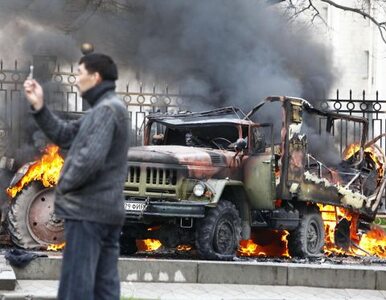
(228, 51)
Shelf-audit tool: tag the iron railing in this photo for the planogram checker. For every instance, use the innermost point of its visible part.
(61, 95)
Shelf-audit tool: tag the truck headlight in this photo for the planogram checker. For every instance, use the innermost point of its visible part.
(199, 189)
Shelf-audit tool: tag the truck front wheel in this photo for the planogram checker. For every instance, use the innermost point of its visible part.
(307, 239)
(218, 234)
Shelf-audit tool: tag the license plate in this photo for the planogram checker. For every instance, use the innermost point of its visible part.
(134, 206)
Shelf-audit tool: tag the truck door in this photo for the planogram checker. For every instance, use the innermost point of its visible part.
(259, 177)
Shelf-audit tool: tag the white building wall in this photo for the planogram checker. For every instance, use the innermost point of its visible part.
(358, 52)
(379, 62)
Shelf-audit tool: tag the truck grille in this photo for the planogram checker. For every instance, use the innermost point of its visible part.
(133, 174)
(154, 182)
(161, 176)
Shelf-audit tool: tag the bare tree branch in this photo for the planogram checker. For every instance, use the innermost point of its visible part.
(317, 14)
(298, 10)
(381, 25)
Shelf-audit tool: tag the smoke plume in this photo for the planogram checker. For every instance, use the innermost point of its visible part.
(229, 51)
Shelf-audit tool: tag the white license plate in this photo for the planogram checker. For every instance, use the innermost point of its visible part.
(134, 206)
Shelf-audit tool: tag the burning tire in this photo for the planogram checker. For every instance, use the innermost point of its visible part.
(31, 221)
(218, 234)
(308, 238)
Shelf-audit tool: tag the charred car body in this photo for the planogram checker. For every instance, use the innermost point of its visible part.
(209, 178)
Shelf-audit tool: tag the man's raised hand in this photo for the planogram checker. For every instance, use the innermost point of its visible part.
(34, 93)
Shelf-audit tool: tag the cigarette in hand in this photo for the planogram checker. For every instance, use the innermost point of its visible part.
(31, 72)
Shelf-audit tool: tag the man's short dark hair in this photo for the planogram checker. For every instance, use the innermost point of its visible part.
(101, 63)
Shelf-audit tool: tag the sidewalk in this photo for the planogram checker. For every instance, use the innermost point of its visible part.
(44, 289)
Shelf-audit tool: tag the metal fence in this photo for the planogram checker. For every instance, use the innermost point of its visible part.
(140, 101)
(374, 109)
(61, 95)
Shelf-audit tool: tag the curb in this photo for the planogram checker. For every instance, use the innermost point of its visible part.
(7, 276)
(195, 271)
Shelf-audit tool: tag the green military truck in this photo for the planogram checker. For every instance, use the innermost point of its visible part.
(209, 178)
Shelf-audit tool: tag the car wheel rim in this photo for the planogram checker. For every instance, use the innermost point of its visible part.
(43, 225)
(313, 236)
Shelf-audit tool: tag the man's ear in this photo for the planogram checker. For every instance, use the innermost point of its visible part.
(98, 77)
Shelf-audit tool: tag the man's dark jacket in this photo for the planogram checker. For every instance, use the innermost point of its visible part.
(91, 183)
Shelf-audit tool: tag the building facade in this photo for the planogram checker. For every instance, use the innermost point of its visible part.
(357, 49)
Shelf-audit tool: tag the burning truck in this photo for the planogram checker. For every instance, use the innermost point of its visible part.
(211, 178)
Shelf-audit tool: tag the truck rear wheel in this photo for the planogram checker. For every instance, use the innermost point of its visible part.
(218, 234)
(307, 239)
(31, 220)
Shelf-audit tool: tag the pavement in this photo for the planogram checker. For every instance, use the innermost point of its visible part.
(46, 289)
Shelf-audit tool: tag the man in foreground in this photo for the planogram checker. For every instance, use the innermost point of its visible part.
(89, 192)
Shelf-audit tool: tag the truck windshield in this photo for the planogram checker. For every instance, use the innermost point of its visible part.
(208, 135)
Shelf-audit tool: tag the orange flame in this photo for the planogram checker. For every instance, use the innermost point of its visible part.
(276, 245)
(56, 247)
(148, 245)
(331, 216)
(46, 170)
(372, 152)
(184, 248)
(351, 150)
(265, 243)
(372, 242)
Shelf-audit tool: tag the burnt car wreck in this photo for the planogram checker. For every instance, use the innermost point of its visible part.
(209, 178)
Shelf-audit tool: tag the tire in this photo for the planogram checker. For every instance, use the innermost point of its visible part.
(19, 219)
(307, 240)
(218, 235)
